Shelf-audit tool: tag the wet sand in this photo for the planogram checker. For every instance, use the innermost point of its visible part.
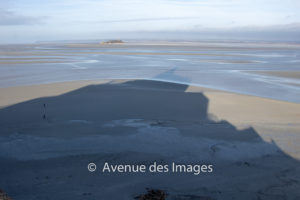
(50, 132)
(217, 65)
(284, 74)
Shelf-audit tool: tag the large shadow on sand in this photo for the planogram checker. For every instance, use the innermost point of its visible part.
(135, 121)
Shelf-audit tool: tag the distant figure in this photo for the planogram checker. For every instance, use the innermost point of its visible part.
(44, 115)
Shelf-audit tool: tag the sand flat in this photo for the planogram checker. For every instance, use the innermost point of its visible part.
(211, 64)
(225, 105)
(285, 74)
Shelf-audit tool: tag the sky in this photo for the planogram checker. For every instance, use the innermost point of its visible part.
(24, 21)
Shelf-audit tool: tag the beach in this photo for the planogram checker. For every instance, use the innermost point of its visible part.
(149, 100)
(260, 69)
(212, 120)
(50, 132)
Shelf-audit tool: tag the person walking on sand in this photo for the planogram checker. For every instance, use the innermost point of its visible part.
(44, 116)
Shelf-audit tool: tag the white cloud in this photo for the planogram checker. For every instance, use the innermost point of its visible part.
(84, 17)
(10, 18)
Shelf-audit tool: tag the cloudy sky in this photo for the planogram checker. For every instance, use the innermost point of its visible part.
(42, 20)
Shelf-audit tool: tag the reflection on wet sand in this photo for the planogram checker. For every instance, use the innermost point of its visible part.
(222, 65)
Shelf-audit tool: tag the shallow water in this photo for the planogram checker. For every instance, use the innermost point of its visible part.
(219, 66)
